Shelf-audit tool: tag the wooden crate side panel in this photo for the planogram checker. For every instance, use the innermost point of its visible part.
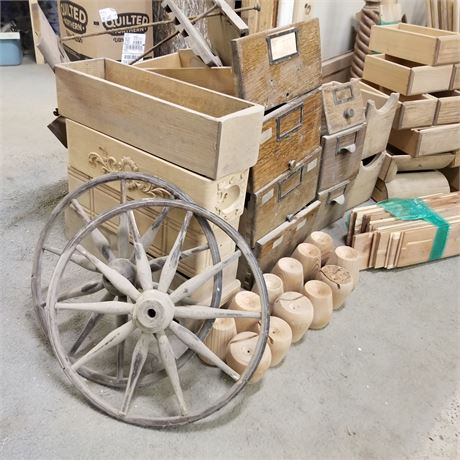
(271, 84)
(449, 50)
(289, 134)
(448, 108)
(455, 80)
(416, 113)
(439, 139)
(426, 79)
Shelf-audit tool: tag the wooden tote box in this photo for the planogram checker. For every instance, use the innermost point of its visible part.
(406, 77)
(341, 156)
(416, 43)
(280, 200)
(92, 154)
(277, 65)
(290, 133)
(448, 107)
(198, 129)
(280, 242)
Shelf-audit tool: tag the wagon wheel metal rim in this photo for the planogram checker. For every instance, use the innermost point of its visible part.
(72, 200)
(153, 326)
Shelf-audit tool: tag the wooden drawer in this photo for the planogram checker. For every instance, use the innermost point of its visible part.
(342, 106)
(416, 43)
(448, 108)
(455, 80)
(289, 134)
(94, 154)
(341, 156)
(275, 66)
(280, 200)
(280, 242)
(427, 141)
(412, 111)
(198, 129)
(406, 77)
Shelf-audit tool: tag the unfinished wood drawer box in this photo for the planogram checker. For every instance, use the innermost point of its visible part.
(416, 43)
(280, 200)
(448, 108)
(280, 242)
(274, 66)
(455, 80)
(289, 134)
(406, 77)
(341, 156)
(426, 141)
(412, 111)
(196, 128)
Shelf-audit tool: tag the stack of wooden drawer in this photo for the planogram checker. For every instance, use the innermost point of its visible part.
(123, 118)
(423, 65)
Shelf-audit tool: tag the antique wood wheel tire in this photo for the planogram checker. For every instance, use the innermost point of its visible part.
(152, 312)
(156, 186)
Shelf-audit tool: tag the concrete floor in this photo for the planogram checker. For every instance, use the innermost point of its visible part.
(381, 382)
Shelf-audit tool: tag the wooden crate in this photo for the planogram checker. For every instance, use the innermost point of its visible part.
(455, 80)
(406, 77)
(448, 107)
(280, 242)
(342, 105)
(275, 66)
(196, 128)
(412, 111)
(416, 43)
(183, 58)
(427, 141)
(289, 134)
(341, 156)
(280, 200)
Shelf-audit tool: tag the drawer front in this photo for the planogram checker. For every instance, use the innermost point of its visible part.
(342, 105)
(415, 113)
(103, 197)
(341, 156)
(289, 134)
(448, 108)
(275, 66)
(332, 205)
(280, 242)
(272, 205)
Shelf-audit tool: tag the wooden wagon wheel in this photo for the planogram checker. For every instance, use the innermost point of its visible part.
(153, 311)
(150, 184)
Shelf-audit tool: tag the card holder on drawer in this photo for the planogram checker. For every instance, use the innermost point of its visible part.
(283, 122)
(282, 46)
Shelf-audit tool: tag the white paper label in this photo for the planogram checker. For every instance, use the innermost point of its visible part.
(312, 164)
(133, 47)
(266, 135)
(278, 242)
(283, 46)
(267, 197)
(108, 14)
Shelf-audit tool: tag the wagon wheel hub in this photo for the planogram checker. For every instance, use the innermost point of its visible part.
(153, 311)
(125, 268)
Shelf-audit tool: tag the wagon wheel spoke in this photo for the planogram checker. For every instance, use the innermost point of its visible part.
(108, 307)
(195, 344)
(75, 258)
(101, 242)
(88, 327)
(123, 226)
(204, 312)
(118, 281)
(122, 319)
(114, 338)
(137, 363)
(149, 236)
(143, 271)
(172, 261)
(90, 287)
(192, 284)
(158, 263)
(169, 362)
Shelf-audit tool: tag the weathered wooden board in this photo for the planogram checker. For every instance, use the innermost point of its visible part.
(180, 59)
(406, 77)
(427, 141)
(337, 68)
(273, 67)
(196, 128)
(341, 156)
(280, 242)
(342, 105)
(280, 200)
(263, 19)
(416, 43)
(289, 134)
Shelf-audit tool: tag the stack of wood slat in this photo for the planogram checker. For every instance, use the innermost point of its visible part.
(443, 14)
(384, 241)
(423, 65)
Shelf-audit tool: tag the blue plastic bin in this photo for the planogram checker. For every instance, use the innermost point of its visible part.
(10, 48)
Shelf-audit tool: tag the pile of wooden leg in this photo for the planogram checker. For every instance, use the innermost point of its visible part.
(384, 241)
(303, 291)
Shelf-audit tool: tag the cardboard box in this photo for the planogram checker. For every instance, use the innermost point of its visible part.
(82, 16)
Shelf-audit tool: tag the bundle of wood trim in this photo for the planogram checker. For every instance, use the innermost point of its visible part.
(384, 241)
(443, 14)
